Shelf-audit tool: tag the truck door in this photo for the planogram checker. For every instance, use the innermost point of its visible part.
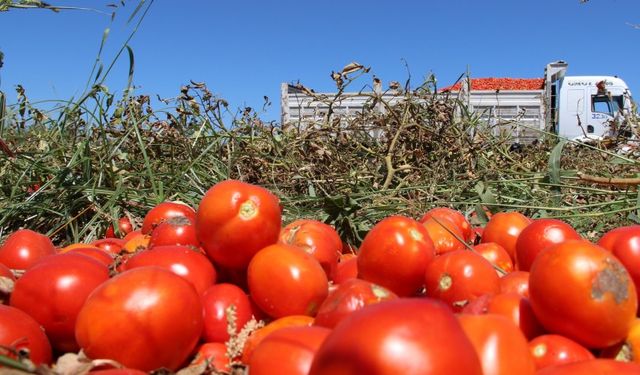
(603, 112)
(573, 119)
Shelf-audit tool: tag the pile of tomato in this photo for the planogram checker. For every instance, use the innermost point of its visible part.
(494, 84)
(226, 287)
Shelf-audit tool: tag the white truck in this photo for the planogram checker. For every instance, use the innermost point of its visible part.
(579, 107)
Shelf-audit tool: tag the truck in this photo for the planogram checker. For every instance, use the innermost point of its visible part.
(573, 107)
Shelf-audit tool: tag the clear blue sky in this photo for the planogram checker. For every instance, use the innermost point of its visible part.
(244, 49)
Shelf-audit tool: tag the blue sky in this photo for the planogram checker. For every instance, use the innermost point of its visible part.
(243, 50)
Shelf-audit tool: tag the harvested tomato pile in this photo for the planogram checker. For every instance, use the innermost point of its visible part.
(225, 287)
(501, 84)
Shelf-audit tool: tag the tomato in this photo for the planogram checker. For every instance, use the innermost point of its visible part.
(496, 255)
(6, 272)
(395, 253)
(346, 269)
(54, 290)
(459, 277)
(19, 331)
(124, 227)
(175, 231)
(553, 350)
(402, 336)
(23, 248)
(608, 239)
(454, 216)
(216, 301)
(235, 220)
(629, 349)
(287, 351)
(504, 228)
(118, 371)
(285, 280)
(135, 244)
(316, 238)
(213, 352)
(517, 282)
(517, 309)
(348, 297)
(539, 235)
(444, 233)
(500, 345)
(627, 249)
(164, 211)
(582, 291)
(94, 253)
(256, 337)
(183, 261)
(110, 245)
(145, 318)
(593, 367)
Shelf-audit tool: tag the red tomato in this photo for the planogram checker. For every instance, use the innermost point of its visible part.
(118, 371)
(287, 351)
(164, 211)
(444, 233)
(627, 249)
(504, 228)
(94, 253)
(6, 272)
(517, 309)
(235, 220)
(452, 215)
(110, 245)
(145, 318)
(317, 239)
(395, 253)
(500, 345)
(215, 353)
(582, 291)
(54, 290)
(608, 239)
(593, 367)
(216, 301)
(256, 337)
(285, 280)
(23, 248)
(402, 336)
(539, 235)
(19, 331)
(553, 350)
(124, 227)
(629, 349)
(346, 269)
(348, 297)
(183, 261)
(459, 277)
(174, 231)
(517, 282)
(496, 255)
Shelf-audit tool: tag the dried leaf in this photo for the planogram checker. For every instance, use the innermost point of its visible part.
(6, 285)
(73, 364)
(351, 68)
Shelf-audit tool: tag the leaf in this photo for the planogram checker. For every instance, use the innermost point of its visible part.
(351, 68)
(554, 162)
(73, 364)
(131, 67)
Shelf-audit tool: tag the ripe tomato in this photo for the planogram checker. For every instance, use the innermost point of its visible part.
(504, 228)
(215, 353)
(54, 290)
(517, 282)
(235, 220)
(500, 345)
(395, 253)
(110, 245)
(216, 301)
(629, 349)
(627, 249)
(145, 318)
(124, 227)
(285, 280)
(94, 253)
(608, 239)
(348, 297)
(317, 239)
(118, 371)
(135, 244)
(402, 336)
(553, 350)
(174, 231)
(256, 337)
(582, 291)
(454, 216)
(346, 269)
(443, 233)
(517, 309)
(539, 235)
(459, 277)
(593, 367)
(23, 248)
(19, 331)
(496, 255)
(164, 211)
(183, 261)
(6, 272)
(287, 351)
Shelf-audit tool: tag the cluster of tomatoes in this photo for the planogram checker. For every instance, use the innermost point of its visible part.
(226, 286)
(502, 84)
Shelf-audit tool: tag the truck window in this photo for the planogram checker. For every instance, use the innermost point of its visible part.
(602, 104)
